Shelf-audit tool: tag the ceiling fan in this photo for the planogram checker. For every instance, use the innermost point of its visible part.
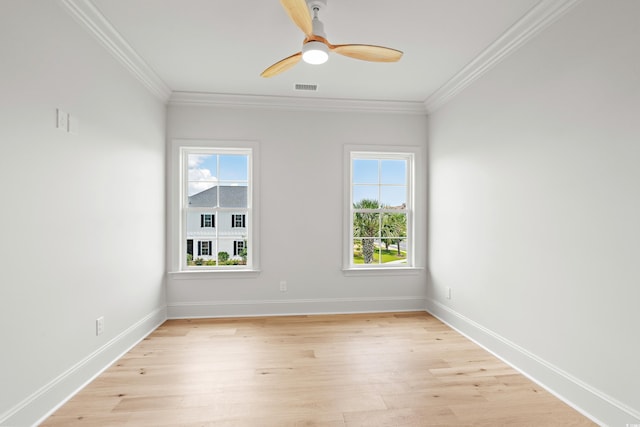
(316, 47)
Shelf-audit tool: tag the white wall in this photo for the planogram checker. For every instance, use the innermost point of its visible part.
(535, 209)
(301, 202)
(82, 219)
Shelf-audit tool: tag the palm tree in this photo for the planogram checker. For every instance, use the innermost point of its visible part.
(365, 226)
(394, 226)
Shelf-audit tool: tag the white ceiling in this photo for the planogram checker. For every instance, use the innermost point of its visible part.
(221, 47)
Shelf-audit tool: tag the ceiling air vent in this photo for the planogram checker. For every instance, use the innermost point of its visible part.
(306, 86)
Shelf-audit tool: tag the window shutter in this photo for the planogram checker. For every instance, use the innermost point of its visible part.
(210, 248)
(201, 221)
(243, 221)
(233, 222)
(199, 248)
(213, 220)
(235, 248)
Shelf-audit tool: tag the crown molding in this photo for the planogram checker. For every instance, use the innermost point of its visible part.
(88, 15)
(544, 13)
(532, 23)
(296, 103)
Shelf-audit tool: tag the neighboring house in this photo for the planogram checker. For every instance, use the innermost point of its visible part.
(217, 222)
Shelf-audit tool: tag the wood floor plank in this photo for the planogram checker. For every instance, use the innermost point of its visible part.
(389, 369)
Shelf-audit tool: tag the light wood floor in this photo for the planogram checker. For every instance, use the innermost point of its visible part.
(403, 369)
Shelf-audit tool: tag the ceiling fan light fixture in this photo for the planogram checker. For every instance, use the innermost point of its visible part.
(316, 47)
(315, 53)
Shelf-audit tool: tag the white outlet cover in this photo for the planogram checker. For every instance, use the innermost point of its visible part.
(99, 325)
(62, 120)
(73, 125)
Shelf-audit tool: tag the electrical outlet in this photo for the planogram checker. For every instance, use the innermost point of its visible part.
(283, 286)
(99, 325)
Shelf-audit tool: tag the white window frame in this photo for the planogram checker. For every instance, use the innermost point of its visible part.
(414, 209)
(177, 238)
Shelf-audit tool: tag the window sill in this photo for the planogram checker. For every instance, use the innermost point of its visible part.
(381, 271)
(211, 274)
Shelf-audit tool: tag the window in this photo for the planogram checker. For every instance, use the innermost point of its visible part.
(216, 207)
(238, 247)
(207, 220)
(379, 210)
(204, 248)
(238, 221)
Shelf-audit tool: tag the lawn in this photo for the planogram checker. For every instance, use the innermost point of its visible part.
(387, 256)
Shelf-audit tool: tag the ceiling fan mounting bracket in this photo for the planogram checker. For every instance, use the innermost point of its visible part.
(316, 4)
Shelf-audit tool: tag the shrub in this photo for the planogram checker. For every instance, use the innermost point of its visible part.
(223, 257)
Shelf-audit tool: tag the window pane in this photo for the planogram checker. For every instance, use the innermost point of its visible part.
(365, 171)
(204, 199)
(234, 167)
(217, 208)
(366, 224)
(381, 196)
(234, 195)
(197, 225)
(393, 172)
(232, 251)
(388, 253)
(394, 225)
(394, 238)
(393, 196)
(364, 251)
(225, 250)
(364, 192)
(202, 172)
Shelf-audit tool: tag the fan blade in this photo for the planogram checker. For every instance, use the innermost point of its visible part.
(282, 65)
(367, 52)
(298, 11)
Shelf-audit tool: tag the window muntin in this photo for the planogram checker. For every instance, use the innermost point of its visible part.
(215, 183)
(380, 210)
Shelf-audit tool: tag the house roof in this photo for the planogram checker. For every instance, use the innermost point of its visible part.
(230, 197)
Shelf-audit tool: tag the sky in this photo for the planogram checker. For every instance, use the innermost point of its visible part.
(377, 179)
(207, 170)
(381, 180)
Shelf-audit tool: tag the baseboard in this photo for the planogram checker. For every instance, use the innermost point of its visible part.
(200, 309)
(593, 403)
(38, 406)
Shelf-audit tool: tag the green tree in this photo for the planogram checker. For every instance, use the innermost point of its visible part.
(243, 252)
(394, 226)
(366, 225)
(223, 257)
